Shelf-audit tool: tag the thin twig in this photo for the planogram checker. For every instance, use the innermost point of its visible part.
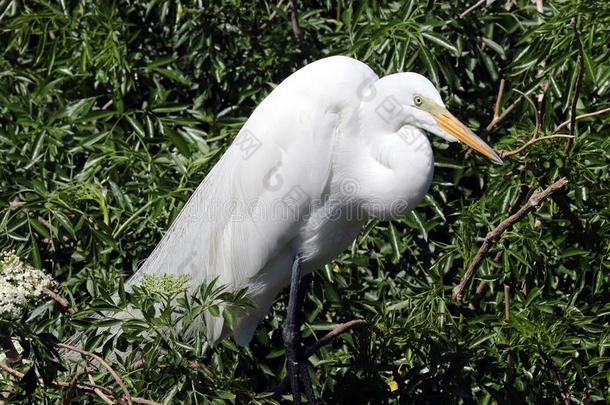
(577, 86)
(85, 387)
(60, 300)
(326, 339)
(70, 392)
(471, 8)
(506, 153)
(580, 117)
(482, 287)
(495, 121)
(493, 236)
(99, 392)
(273, 14)
(506, 302)
(294, 19)
(536, 112)
(510, 358)
(108, 104)
(94, 356)
(499, 99)
(17, 374)
(473, 305)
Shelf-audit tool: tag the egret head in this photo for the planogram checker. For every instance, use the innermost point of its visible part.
(421, 106)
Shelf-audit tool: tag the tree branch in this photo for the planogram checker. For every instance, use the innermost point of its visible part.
(493, 236)
(475, 301)
(499, 99)
(94, 356)
(496, 120)
(536, 112)
(97, 391)
(85, 387)
(577, 86)
(510, 358)
(326, 339)
(471, 8)
(506, 154)
(273, 14)
(579, 117)
(60, 300)
(70, 392)
(17, 374)
(294, 19)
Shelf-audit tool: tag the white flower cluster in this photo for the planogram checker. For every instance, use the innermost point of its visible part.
(166, 284)
(20, 285)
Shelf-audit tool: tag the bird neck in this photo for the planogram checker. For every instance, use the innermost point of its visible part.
(393, 171)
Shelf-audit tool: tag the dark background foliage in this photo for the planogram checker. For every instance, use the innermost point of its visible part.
(111, 113)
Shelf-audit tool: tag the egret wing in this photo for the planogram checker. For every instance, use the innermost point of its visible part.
(242, 224)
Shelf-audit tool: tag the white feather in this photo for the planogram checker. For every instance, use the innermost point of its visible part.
(331, 146)
(245, 222)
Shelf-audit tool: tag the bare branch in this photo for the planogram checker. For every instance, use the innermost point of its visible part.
(580, 117)
(493, 236)
(99, 392)
(69, 394)
(482, 287)
(505, 154)
(294, 18)
(471, 8)
(577, 86)
(17, 374)
(94, 356)
(495, 121)
(60, 300)
(506, 302)
(499, 99)
(326, 339)
(536, 112)
(273, 14)
(107, 104)
(85, 387)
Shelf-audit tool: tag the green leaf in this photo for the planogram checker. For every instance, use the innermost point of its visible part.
(495, 46)
(137, 127)
(437, 39)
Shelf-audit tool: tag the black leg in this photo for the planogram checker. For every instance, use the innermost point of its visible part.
(297, 364)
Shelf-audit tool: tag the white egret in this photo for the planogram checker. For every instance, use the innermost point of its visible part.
(329, 148)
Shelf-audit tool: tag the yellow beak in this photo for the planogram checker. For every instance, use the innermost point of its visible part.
(453, 126)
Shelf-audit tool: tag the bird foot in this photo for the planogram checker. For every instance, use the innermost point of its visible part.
(296, 359)
(283, 386)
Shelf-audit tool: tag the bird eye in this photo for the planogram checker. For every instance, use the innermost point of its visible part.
(418, 100)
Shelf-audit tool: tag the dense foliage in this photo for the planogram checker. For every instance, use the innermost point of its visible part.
(111, 113)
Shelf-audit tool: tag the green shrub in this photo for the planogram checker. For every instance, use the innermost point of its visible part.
(111, 113)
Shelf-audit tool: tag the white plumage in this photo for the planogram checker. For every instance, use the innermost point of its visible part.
(330, 147)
